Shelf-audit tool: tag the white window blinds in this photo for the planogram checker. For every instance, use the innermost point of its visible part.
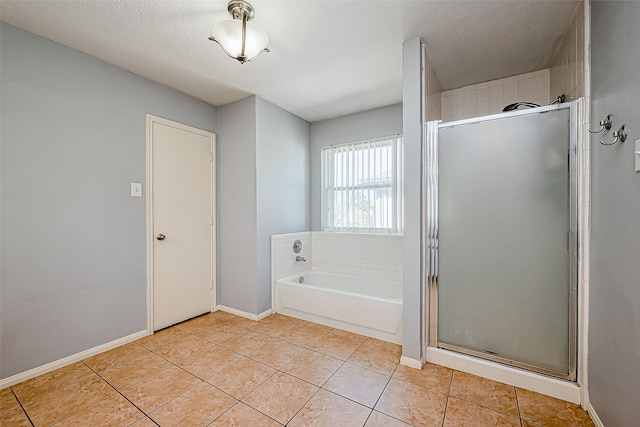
(362, 189)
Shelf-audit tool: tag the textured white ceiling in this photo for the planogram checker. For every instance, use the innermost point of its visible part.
(328, 58)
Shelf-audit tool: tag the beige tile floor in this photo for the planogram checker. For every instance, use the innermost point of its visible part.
(223, 370)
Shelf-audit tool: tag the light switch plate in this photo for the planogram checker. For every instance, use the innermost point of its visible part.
(136, 189)
(636, 154)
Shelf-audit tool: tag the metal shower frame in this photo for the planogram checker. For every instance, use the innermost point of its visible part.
(430, 243)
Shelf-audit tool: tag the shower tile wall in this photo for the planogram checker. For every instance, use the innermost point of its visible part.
(491, 97)
(367, 255)
(570, 75)
(567, 65)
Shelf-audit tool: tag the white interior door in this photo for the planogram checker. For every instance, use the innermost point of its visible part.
(182, 226)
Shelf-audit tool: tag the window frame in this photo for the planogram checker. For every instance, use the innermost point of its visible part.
(396, 185)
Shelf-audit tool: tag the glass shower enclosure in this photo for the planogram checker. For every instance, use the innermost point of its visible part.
(500, 236)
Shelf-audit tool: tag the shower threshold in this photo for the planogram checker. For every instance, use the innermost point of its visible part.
(552, 386)
(494, 357)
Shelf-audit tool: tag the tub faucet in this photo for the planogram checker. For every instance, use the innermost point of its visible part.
(299, 258)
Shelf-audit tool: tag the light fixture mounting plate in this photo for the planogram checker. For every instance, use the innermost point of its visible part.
(238, 8)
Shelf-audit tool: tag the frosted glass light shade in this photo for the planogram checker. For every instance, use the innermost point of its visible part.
(228, 34)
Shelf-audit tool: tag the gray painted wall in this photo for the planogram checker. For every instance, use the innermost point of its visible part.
(353, 127)
(73, 240)
(614, 290)
(237, 206)
(283, 184)
(263, 189)
(412, 130)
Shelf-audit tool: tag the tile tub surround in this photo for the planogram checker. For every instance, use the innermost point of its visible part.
(302, 374)
(283, 259)
(377, 256)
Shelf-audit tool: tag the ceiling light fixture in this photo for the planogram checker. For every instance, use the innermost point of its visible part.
(239, 38)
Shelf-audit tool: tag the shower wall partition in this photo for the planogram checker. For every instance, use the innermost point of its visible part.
(501, 237)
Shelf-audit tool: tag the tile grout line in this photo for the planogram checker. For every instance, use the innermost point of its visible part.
(242, 356)
(308, 382)
(186, 391)
(24, 411)
(481, 405)
(350, 400)
(117, 391)
(59, 390)
(364, 367)
(515, 392)
(515, 389)
(385, 386)
(303, 405)
(450, 383)
(444, 416)
(307, 347)
(45, 394)
(203, 380)
(432, 389)
(240, 402)
(322, 386)
(368, 417)
(319, 387)
(95, 403)
(179, 367)
(381, 393)
(272, 337)
(484, 407)
(383, 390)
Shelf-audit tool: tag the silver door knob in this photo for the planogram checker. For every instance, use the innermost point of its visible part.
(161, 237)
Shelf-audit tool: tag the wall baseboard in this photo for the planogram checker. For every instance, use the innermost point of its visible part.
(563, 390)
(594, 416)
(244, 314)
(584, 396)
(60, 363)
(412, 363)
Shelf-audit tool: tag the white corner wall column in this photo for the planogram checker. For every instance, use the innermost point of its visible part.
(412, 119)
(584, 207)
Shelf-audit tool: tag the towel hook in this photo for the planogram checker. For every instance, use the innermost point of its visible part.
(604, 124)
(620, 134)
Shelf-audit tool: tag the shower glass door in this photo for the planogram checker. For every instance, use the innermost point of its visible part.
(503, 233)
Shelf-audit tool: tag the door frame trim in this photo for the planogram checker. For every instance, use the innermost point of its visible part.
(150, 120)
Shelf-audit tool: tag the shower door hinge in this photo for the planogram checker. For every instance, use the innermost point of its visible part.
(210, 284)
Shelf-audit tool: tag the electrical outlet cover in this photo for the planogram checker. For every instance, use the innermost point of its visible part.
(136, 189)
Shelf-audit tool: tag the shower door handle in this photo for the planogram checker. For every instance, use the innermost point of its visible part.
(161, 237)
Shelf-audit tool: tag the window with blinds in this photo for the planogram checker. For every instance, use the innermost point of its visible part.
(362, 188)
